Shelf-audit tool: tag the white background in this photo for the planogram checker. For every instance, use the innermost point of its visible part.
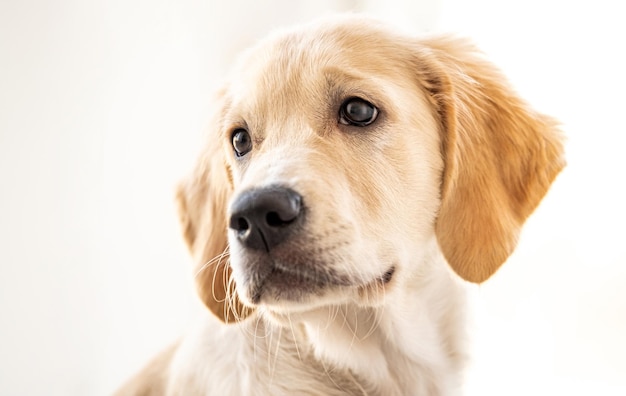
(102, 109)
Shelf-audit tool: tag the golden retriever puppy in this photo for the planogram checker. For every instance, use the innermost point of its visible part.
(353, 179)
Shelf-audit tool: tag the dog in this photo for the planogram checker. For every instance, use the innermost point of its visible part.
(354, 181)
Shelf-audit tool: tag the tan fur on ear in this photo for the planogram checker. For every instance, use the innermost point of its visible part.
(500, 159)
(202, 201)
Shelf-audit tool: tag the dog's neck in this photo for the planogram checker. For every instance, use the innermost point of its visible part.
(408, 343)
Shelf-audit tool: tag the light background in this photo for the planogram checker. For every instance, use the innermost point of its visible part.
(102, 109)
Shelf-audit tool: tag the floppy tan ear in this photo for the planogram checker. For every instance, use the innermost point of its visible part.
(202, 201)
(500, 158)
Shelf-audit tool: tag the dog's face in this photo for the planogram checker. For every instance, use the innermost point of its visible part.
(336, 171)
(340, 151)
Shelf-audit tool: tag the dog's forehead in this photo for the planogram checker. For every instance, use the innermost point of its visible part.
(297, 63)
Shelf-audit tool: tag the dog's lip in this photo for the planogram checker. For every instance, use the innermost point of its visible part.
(388, 275)
(283, 283)
(303, 273)
(287, 281)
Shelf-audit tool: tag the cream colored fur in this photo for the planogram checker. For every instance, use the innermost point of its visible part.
(434, 191)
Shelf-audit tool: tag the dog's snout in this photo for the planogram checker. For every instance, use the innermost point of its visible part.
(263, 218)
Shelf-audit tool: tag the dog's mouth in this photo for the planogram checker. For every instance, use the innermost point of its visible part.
(282, 281)
(276, 281)
(387, 276)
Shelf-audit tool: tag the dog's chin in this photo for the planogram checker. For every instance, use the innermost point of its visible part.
(283, 288)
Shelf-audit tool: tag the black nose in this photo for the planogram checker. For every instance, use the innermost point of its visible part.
(263, 218)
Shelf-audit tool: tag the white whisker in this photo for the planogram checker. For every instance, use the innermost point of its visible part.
(295, 340)
(214, 261)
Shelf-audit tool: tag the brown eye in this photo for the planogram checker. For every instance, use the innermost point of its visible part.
(241, 141)
(357, 112)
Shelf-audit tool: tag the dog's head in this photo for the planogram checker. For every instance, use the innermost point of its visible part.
(341, 149)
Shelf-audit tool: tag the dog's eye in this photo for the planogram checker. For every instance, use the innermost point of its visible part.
(241, 141)
(357, 112)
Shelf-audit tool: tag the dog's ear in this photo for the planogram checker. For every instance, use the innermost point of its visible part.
(500, 157)
(202, 201)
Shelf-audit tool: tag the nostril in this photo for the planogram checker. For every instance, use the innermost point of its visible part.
(273, 219)
(242, 224)
(263, 218)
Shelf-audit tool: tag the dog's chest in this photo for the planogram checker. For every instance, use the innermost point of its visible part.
(250, 359)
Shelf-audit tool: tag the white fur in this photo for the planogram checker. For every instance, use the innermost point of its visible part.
(360, 297)
(402, 347)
